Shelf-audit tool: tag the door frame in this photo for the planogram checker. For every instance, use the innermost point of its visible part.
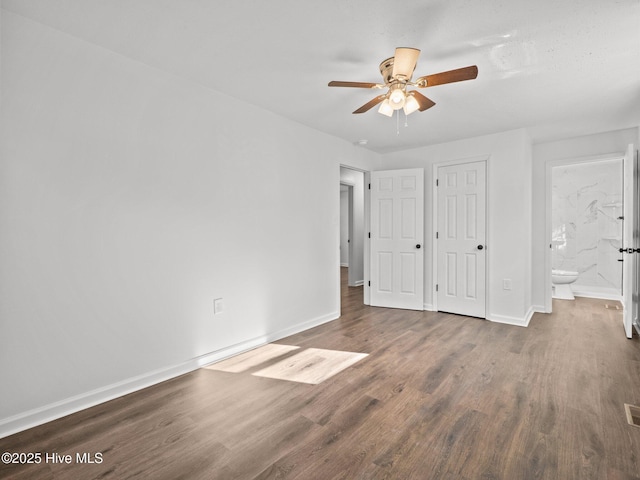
(548, 303)
(352, 230)
(434, 225)
(630, 240)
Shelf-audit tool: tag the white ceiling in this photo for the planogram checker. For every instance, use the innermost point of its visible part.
(558, 67)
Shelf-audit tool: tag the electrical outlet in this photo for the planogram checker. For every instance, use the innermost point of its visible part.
(218, 306)
(506, 284)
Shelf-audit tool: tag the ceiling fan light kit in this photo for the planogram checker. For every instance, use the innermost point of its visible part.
(385, 108)
(397, 72)
(410, 104)
(397, 97)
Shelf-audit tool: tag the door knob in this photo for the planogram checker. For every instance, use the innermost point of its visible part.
(480, 247)
(418, 246)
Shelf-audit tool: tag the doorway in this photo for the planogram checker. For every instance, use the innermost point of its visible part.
(352, 243)
(629, 238)
(586, 226)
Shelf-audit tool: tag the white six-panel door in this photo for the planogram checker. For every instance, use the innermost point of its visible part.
(397, 232)
(460, 243)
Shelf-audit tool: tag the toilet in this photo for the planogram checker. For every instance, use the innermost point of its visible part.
(562, 280)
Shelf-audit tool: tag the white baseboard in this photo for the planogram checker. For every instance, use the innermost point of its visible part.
(603, 293)
(529, 315)
(344, 265)
(428, 307)
(38, 416)
(53, 411)
(359, 283)
(516, 321)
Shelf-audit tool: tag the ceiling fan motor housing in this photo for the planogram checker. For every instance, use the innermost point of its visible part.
(396, 85)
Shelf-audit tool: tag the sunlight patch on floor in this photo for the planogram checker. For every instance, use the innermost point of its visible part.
(312, 365)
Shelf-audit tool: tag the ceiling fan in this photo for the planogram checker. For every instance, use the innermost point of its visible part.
(397, 72)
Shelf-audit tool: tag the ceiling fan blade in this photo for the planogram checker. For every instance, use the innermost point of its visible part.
(423, 101)
(458, 75)
(404, 62)
(370, 104)
(353, 84)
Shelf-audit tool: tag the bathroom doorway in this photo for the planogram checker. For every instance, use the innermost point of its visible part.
(586, 224)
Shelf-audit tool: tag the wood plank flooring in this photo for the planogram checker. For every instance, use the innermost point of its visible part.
(438, 397)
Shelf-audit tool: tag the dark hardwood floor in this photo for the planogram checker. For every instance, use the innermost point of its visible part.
(439, 397)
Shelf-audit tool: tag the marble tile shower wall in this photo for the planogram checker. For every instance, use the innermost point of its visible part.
(586, 231)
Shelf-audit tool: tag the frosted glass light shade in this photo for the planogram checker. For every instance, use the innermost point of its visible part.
(410, 105)
(385, 108)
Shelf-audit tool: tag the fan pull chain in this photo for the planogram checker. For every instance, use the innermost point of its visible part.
(406, 120)
(398, 123)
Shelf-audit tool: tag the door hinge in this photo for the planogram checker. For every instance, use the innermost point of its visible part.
(437, 182)
(436, 287)
(369, 186)
(436, 235)
(369, 283)
(369, 234)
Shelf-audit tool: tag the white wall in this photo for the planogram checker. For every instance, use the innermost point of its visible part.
(508, 215)
(543, 153)
(355, 178)
(129, 200)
